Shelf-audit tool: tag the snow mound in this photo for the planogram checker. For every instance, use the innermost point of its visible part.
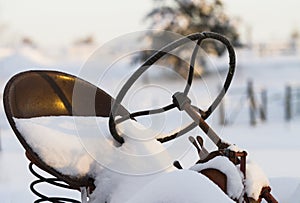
(234, 176)
(172, 187)
(180, 186)
(139, 140)
(255, 180)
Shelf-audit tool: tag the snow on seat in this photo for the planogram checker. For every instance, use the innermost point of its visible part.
(60, 146)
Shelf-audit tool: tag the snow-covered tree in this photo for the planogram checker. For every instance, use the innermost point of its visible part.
(189, 16)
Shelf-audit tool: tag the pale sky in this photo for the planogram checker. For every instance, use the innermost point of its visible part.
(269, 19)
(60, 22)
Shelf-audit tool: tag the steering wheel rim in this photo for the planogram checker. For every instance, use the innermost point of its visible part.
(153, 59)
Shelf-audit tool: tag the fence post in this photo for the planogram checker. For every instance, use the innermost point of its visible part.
(252, 103)
(288, 103)
(264, 105)
(222, 113)
(222, 119)
(221, 108)
(298, 100)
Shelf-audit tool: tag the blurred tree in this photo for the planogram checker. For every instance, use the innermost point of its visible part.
(28, 41)
(189, 16)
(88, 40)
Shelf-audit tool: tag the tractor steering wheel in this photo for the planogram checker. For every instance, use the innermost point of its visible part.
(199, 37)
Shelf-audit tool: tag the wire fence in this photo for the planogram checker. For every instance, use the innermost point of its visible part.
(257, 105)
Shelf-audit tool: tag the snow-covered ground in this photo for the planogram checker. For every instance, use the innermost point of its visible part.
(274, 145)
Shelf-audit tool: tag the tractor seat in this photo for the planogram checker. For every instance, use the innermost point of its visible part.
(49, 94)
